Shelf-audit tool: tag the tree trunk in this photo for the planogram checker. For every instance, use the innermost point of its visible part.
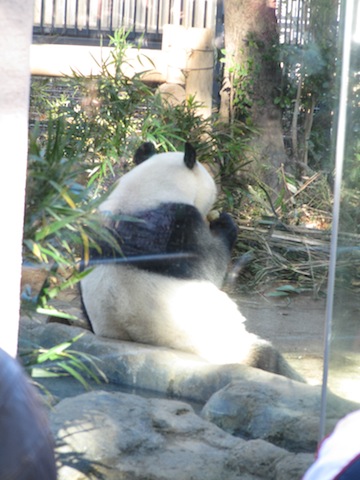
(251, 42)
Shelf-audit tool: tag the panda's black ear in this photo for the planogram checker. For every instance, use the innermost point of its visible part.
(145, 151)
(190, 155)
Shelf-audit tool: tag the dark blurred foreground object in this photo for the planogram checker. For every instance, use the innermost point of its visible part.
(26, 445)
(338, 457)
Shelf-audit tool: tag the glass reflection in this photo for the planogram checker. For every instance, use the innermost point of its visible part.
(344, 357)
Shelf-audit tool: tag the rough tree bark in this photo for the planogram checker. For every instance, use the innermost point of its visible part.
(251, 36)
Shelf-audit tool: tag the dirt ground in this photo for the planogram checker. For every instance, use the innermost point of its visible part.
(294, 325)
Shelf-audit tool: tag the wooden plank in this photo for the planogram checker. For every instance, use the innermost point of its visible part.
(200, 67)
(60, 60)
(189, 54)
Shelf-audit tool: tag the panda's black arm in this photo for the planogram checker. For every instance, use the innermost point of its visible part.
(172, 240)
(191, 233)
(211, 247)
(141, 240)
(225, 228)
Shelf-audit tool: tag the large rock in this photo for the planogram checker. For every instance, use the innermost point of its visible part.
(245, 401)
(121, 436)
(275, 409)
(102, 435)
(172, 373)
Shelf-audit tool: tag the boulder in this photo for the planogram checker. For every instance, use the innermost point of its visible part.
(275, 409)
(247, 423)
(121, 436)
(242, 400)
(172, 373)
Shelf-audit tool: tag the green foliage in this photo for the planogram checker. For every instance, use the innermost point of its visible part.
(241, 86)
(223, 146)
(60, 360)
(169, 126)
(41, 97)
(106, 116)
(351, 173)
(91, 126)
(284, 291)
(60, 214)
(306, 93)
(104, 111)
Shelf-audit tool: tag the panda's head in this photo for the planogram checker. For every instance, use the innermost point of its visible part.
(175, 177)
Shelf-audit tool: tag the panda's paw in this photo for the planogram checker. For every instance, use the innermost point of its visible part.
(225, 227)
(264, 355)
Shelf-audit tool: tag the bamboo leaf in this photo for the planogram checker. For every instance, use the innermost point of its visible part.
(277, 294)
(53, 353)
(289, 289)
(43, 373)
(74, 373)
(54, 312)
(54, 227)
(86, 250)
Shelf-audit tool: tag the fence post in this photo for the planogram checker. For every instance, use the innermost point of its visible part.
(189, 56)
(200, 67)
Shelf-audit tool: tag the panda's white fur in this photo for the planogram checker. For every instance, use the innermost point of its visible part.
(193, 315)
(163, 177)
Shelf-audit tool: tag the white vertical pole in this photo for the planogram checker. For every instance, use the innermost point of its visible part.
(15, 39)
(339, 160)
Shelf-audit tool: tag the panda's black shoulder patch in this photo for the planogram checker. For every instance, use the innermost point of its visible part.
(165, 240)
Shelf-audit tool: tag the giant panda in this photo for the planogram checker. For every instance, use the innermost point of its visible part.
(165, 287)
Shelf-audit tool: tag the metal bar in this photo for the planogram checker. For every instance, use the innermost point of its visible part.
(146, 15)
(53, 15)
(157, 16)
(123, 13)
(76, 15)
(193, 13)
(42, 14)
(98, 16)
(181, 12)
(65, 14)
(111, 4)
(161, 258)
(169, 16)
(339, 161)
(88, 16)
(134, 18)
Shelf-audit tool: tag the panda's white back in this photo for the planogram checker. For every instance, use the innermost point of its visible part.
(163, 178)
(153, 309)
